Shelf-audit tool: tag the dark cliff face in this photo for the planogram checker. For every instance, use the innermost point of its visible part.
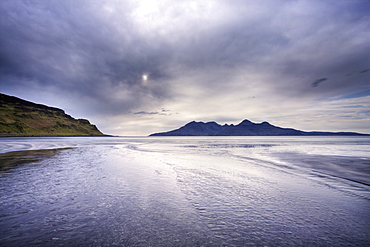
(245, 128)
(21, 117)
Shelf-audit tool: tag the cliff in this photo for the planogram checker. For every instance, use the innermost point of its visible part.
(21, 117)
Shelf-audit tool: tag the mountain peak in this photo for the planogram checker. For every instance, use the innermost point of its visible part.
(192, 123)
(266, 123)
(245, 128)
(245, 122)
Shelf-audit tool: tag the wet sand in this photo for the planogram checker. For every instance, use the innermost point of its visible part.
(12, 159)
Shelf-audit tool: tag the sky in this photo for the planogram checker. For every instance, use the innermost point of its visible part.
(143, 66)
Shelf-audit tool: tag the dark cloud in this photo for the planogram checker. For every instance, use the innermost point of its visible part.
(93, 54)
(318, 81)
(146, 113)
(162, 112)
(71, 48)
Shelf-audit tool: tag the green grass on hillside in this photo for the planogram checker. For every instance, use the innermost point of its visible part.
(19, 117)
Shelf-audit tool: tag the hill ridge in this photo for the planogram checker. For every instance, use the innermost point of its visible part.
(19, 117)
(244, 128)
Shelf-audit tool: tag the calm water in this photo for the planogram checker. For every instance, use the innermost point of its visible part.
(204, 191)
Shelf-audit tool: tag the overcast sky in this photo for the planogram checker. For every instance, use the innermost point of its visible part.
(139, 67)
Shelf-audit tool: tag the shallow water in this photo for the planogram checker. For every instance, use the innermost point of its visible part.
(203, 191)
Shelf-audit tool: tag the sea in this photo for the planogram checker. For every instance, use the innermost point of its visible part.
(185, 191)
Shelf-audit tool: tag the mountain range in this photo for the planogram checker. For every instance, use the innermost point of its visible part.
(19, 117)
(245, 128)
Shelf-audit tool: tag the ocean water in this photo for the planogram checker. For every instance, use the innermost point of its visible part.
(185, 191)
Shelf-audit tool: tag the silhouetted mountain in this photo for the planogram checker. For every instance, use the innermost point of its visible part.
(245, 128)
(21, 117)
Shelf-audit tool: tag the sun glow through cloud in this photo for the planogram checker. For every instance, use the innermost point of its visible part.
(285, 62)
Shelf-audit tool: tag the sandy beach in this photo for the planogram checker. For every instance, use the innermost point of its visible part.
(184, 192)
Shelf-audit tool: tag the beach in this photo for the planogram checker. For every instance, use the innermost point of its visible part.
(204, 191)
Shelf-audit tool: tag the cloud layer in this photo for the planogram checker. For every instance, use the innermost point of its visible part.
(121, 63)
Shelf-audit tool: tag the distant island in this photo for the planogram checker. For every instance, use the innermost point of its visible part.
(19, 117)
(245, 128)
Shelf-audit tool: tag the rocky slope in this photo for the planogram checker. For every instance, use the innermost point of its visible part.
(21, 117)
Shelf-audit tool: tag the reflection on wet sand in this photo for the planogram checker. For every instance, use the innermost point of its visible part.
(213, 191)
(12, 159)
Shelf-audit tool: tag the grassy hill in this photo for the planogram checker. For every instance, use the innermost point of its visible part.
(21, 117)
